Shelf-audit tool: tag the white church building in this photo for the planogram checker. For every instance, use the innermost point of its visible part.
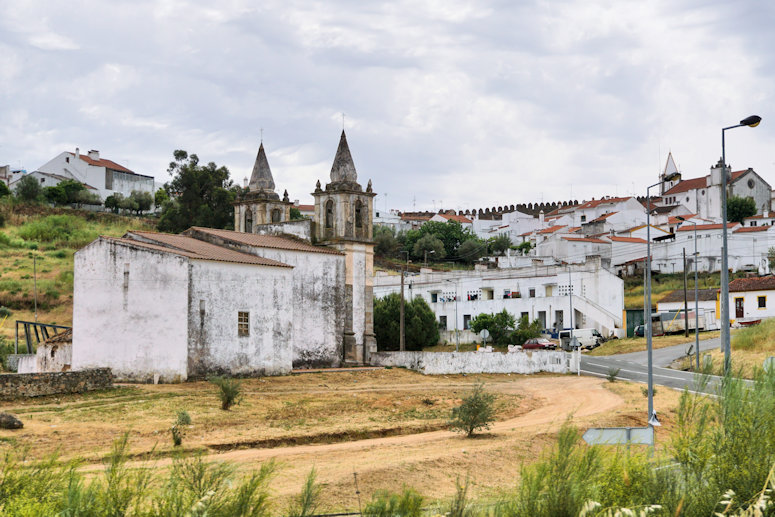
(271, 296)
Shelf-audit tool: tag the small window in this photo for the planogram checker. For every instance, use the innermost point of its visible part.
(524, 315)
(750, 183)
(583, 218)
(434, 297)
(243, 323)
(248, 221)
(329, 214)
(67, 159)
(358, 215)
(753, 223)
(762, 302)
(442, 323)
(466, 321)
(532, 293)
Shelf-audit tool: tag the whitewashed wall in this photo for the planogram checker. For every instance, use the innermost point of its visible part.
(137, 329)
(218, 291)
(448, 363)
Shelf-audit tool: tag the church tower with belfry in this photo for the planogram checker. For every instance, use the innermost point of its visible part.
(261, 204)
(343, 221)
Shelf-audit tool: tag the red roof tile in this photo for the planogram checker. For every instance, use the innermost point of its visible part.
(585, 239)
(761, 283)
(264, 241)
(459, 218)
(700, 227)
(102, 162)
(748, 229)
(673, 219)
(602, 217)
(192, 248)
(306, 208)
(701, 182)
(637, 240)
(551, 229)
(598, 202)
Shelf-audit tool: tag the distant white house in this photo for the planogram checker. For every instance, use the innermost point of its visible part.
(751, 298)
(442, 217)
(105, 176)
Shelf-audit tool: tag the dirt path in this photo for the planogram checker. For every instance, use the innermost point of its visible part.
(432, 461)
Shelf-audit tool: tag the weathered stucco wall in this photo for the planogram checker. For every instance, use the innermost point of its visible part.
(53, 357)
(301, 229)
(218, 292)
(128, 312)
(15, 385)
(446, 363)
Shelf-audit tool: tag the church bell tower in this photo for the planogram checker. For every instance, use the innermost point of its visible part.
(343, 220)
(261, 204)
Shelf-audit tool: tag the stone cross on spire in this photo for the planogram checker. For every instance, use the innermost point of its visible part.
(343, 169)
(261, 179)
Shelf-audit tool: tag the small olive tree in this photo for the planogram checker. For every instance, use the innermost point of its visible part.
(476, 411)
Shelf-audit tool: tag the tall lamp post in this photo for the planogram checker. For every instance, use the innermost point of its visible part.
(751, 121)
(667, 178)
(401, 334)
(457, 332)
(696, 300)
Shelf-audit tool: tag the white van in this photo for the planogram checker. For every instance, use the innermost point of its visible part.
(587, 338)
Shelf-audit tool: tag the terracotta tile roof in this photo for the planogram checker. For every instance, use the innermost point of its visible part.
(573, 229)
(602, 217)
(551, 229)
(664, 209)
(673, 219)
(635, 240)
(703, 295)
(701, 227)
(748, 229)
(459, 218)
(585, 239)
(526, 234)
(598, 202)
(193, 248)
(108, 164)
(265, 241)
(416, 217)
(306, 208)
(761, 216)
(761, 283)
(701, 182)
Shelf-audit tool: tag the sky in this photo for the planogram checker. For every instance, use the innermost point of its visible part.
(446, 103)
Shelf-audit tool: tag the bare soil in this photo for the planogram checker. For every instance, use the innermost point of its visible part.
(386, 425)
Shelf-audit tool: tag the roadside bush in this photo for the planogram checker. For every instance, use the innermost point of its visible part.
(178, 429)
(476, 411)
(526, 330)
(228, 391)
(500, 325)
(306, 502)
(420, 326)
(385, 504)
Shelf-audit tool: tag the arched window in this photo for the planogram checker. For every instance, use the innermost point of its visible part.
(329, 214)
(248, 221)
(358, 215)
(276, 215)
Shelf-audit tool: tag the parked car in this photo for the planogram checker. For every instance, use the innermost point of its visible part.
(539, 343)
(586, 339)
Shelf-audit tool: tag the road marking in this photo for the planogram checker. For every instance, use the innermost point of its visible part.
(639, 373)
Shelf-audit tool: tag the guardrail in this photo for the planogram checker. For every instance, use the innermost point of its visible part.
(35, 331)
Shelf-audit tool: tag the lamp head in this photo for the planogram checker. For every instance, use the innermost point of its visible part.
(751, 121)
(680, 218)
(672, 176)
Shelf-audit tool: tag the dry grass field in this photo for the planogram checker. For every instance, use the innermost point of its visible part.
(388, 425)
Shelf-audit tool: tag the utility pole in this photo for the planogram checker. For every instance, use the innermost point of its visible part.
(402, 336)
(686, 301)
(35, 283)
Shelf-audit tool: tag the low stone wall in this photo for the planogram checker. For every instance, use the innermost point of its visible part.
(14, 385)
(438, 363)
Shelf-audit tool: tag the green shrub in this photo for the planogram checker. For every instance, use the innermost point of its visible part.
(385, 504)
(178, 429)
(612, 374)
(228, 392)
(420, 326)
(475, 412)
(307, 501)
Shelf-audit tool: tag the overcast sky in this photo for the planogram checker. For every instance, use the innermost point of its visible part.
(450, 103)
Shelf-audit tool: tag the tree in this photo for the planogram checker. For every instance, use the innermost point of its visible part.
(451, 233)
(430, 244)
(296, 214)
(471, 250)
(4, 190)
(385, 242)
(28, 189)
(202, 195)
(143, 200)
(420, 326)
(524, 248)
(84, 197)
(159, 198)
(476, 411)
(738, 208)
(499, 244)
(500, 325)
(113, 202)
(526, 330)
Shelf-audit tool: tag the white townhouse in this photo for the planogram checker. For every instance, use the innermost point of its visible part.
(538, 292)
(751, 298)
(105, 176)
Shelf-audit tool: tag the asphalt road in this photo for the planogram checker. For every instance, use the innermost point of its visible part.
(634, 367)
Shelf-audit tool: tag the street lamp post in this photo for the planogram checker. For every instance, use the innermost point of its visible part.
(751, 121)
(696, 299)
(649, 354)
(457, 332)
(401, 334)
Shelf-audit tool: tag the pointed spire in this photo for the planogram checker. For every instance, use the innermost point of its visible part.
(670, 167)
(343, 168)
(261, 179)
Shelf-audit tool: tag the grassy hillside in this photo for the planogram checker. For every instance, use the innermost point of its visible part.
(48, 237)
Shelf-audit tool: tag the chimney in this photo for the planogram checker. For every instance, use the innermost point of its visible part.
(77, 153)
(541, 217)
(245, 182)
(94, 155)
